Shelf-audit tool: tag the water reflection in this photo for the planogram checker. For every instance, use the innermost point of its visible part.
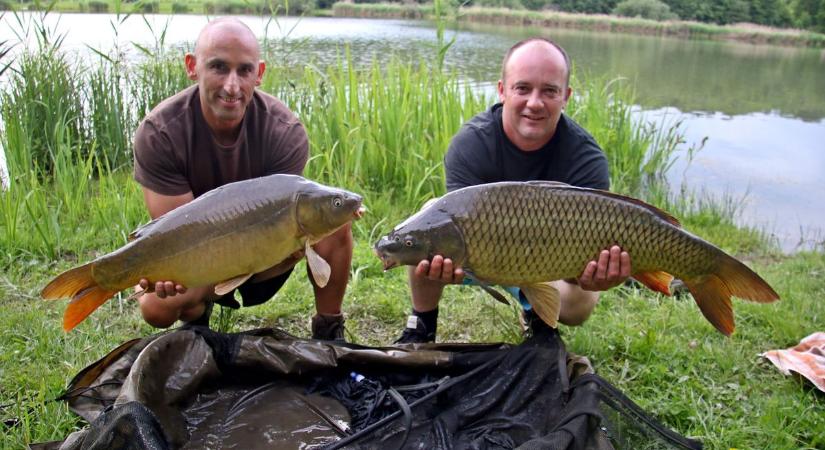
(761, 108)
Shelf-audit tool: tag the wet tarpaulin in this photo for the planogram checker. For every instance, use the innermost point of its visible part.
(195, 388)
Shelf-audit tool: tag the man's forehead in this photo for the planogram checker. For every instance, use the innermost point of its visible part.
(226, 34)
(219, 59)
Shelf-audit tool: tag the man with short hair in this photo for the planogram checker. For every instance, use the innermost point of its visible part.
(524, 137)
(219, 131)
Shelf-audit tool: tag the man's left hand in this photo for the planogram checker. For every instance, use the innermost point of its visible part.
(611, 270)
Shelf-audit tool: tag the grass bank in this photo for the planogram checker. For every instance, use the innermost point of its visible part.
(593, 22)
(382, 132)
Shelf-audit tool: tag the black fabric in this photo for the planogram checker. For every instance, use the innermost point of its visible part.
(131, 426)
(255, 293)
(517, 395)
(481, 153)
(248, 388)
(224, 346)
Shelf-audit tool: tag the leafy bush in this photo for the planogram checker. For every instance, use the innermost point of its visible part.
(147, 7)
(97, 6)
(180, 8)
(273, 7)
(6, 5)
(648, 9)
(536, 5)
(510, 4)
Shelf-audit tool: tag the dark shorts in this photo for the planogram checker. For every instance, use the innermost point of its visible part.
(255, 293)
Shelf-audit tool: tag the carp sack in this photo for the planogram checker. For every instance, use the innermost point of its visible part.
(527, 234)
(222, 237)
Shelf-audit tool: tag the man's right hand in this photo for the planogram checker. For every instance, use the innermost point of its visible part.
(162, 289)
(440, 269)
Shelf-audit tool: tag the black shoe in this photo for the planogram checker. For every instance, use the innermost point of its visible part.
(328, 327)
(415, 333)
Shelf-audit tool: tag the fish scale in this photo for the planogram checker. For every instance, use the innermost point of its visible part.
(527, 233)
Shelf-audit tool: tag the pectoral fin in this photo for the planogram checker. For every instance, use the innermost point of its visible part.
(545, 300)
(487, 288)
(496, 294)
(227, 286)
(317, 266)
(655, 280)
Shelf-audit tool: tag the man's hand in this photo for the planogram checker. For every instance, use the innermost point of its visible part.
(440, 269)
(611, 270)
(162, 289)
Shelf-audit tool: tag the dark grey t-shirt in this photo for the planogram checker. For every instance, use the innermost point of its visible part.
(481, 153)
(176, 152)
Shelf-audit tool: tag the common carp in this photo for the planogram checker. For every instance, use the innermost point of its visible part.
(222, 237)
(527, 234)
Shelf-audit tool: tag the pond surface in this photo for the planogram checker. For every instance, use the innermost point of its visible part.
(759, 109)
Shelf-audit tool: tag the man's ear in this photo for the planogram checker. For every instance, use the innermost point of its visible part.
(189, 61)
(500, 89)
(261, 70)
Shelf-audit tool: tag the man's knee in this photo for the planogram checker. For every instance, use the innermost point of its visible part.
(576, 313)
(156, 315)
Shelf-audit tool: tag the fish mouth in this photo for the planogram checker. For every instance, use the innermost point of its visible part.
(359, 213)
(386, 260)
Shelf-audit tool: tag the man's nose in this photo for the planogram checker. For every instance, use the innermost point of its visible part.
(534, 99)
(230, 84)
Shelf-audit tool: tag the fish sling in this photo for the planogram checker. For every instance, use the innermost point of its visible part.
(222, 237)
(527, 234)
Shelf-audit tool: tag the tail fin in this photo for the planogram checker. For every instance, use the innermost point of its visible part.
(79, 284)
(732, 278)
(69, 283)
(84, 304)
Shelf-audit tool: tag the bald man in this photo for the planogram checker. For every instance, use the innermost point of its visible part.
(526, 136)
(221, 130)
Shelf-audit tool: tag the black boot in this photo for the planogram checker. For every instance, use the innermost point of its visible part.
(328, 327)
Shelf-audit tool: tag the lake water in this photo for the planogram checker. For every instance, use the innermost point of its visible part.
(760, 109)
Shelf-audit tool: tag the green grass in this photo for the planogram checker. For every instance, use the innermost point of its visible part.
(381, 132)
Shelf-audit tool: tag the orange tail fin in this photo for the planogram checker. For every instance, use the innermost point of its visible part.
(712, 292)
(79, 284)
(69, 283)
(84, 304)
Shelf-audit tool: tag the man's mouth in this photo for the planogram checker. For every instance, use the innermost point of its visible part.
(230, 100)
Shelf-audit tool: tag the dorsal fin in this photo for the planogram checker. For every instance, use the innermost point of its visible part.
(658, 212)
(141, 230)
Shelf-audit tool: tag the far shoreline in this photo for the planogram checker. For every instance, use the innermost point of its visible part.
(749, 33)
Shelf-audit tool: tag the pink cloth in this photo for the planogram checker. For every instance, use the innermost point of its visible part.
(806, 359)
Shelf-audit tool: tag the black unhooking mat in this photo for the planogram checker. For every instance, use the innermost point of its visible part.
(194, 388)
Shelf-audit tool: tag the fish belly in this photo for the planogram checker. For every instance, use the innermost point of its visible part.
(200, 255)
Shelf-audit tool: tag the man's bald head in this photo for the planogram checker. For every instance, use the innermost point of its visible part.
(220, 28)
(551, 47)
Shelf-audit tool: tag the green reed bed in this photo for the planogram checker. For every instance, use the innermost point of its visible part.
(381, 131)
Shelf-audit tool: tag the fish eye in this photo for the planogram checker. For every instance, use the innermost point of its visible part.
(397, 239)
(337, 202)
(408, 243)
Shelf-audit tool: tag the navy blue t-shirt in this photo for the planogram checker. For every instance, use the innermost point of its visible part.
(481, 153)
